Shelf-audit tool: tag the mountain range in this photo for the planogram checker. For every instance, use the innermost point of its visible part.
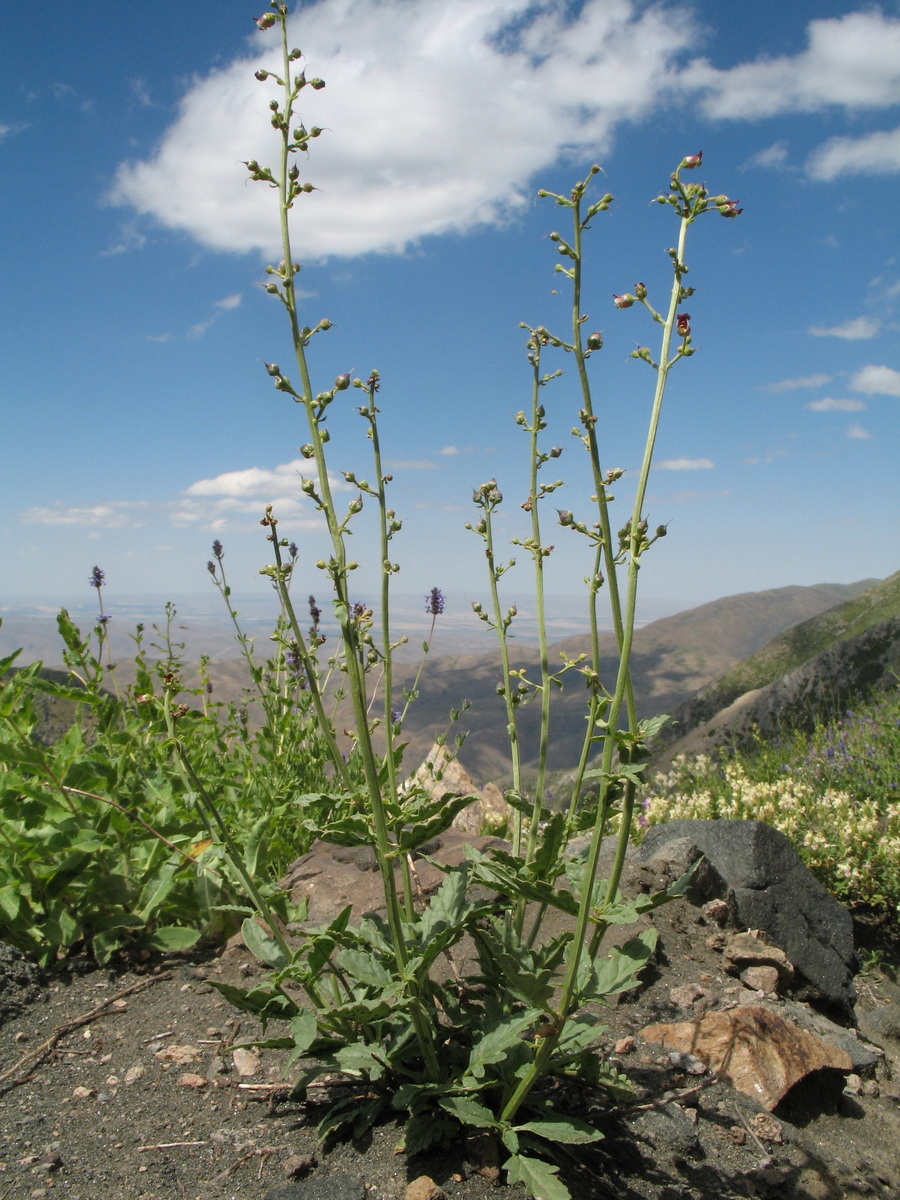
(696, 665)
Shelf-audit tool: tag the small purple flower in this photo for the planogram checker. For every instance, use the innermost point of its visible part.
(434, 602)
(98, 578)
(104, 618)
(396, 716)
(683, 324)
(218, 552)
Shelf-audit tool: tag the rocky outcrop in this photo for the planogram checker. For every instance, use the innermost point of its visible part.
(756, 871)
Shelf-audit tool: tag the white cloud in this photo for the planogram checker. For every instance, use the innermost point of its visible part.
(875, 154)
(254, 482)
(114, 515)
(685, 464)
(771, 158)
(449, 450)
(857, 432)
(855, 330)
(437, 117)
(832, 404)
(876, 381)
(229, 302)
(852, 61)
(804, 381)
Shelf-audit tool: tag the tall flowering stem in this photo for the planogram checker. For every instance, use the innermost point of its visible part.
(294, 139)
(633, 540)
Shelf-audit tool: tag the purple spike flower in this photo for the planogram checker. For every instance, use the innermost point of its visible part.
(434, 602)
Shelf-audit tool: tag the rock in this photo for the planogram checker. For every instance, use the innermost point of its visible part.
(760, 979)
(749, 952)
(755, 868)
(330, 877)
(246, 1062)
(424, 1188)
(752, 1048)
(193, 1080)
(488, 811)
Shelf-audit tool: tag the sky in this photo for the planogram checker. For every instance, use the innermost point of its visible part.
(139, 423)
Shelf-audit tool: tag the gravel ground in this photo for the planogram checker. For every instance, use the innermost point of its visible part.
(126, 1086)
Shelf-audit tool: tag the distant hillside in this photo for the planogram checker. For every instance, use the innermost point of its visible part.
(672, 658)
(848, 622)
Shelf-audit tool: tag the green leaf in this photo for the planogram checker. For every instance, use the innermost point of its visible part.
(264, 1000)
(541, 1179)
(619, 970)
(358, 1057)
(469, 1112)
(172, 938)
(560, 1128)
(261, 944)
(365, 968)
(497, 1043)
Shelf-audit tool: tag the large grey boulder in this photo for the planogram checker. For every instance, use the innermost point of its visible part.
(756, 870)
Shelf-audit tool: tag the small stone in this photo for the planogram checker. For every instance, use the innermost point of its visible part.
(246, 1062)
(716, 911)
(83, 1093)
(624, 1045)
(689, 1063)
(424, 1188)
(179, 1055)
(853, 1085)
(191, 1079)
(767, 1128)
(760, 979)
(298, 1164)
(133, 1074)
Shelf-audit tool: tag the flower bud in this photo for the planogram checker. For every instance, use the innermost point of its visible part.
(624, 301)
(342, 383)
(692, 160)
(266, 21)
(640, 291)
(273, 369)
(683, 324)
(661, 531)
(262, 76)
(318, 84)
(594, 341)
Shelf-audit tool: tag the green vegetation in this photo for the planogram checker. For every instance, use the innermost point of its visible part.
(803, 641)
(835, 792)
(103, 845)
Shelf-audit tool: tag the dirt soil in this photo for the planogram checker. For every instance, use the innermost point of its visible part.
(124, 1085)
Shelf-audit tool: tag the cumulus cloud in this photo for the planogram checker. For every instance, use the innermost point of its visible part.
(114, 515)
(437, 117)
(855, 330)
(852, 61)
(833, 404)
(685, 464)
(269, 483)
(876, 381)
(803, 381)
(874, 154)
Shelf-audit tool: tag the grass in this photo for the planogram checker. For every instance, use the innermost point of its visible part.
(835, 792)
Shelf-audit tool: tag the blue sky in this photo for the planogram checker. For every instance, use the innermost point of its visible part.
(139, 423)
